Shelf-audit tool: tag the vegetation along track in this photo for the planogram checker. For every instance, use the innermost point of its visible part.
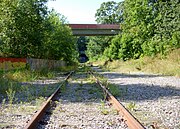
(81, 104)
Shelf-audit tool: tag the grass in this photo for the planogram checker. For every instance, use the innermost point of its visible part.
(116, 91)
(131, 106)
(169, 65)
(12, 78)
(63, 87)
(11, 96)
(24, 75)
(10, 86)
(103, 109)
(27, 75)
(68, 68)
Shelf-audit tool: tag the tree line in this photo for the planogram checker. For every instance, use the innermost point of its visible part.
(148, 28)
(29, 29)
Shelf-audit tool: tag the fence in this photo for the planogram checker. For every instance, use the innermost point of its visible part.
(35, 64)
(12, 63)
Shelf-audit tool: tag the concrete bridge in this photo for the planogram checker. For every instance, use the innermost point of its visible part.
(94, 29)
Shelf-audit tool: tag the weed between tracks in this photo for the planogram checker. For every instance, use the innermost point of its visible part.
(131, 106)
(105, 109)
(113, 88)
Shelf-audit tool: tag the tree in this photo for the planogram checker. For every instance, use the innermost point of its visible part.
(22, 27)
(7, 27)
(110, 13)
(150, 27)
(166, 26)
(96, 47)
(28, 29)
(112, 51)
(82, 42)
(59, 42)
(136, 28)
(30, 32)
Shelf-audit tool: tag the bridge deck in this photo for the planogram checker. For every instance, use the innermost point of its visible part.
(94, 29)
(95, 26)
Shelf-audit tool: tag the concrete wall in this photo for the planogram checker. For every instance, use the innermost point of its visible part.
(36, 64)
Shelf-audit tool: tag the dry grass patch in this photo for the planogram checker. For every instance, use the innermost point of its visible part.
(169, 65)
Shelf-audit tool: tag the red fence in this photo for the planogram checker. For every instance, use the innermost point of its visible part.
(12, 63)
(13, 60)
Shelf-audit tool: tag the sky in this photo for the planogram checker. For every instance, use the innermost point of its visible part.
(78, 11)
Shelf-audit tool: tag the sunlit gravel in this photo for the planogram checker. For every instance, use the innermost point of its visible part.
(156, 98)
(80, 106)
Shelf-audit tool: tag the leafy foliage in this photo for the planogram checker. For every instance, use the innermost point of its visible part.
(96, 47)
(149, 27)
(102, 47)
(109, 13)
(28, 29)
(112, 51)
(59, 42)
(82, 42)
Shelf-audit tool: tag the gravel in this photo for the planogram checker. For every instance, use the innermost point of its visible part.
(14, 119)
(156, 98)
(26, 102)
(153, 99)
(81, 106)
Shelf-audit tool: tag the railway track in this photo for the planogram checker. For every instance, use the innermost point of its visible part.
(79, 105)
(130, 120)
(34, 121)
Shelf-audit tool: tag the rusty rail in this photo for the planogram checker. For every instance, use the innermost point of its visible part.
(130, 120)
(34, 121)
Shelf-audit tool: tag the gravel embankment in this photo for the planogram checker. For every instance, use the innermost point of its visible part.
(80, 106)
(155, 98)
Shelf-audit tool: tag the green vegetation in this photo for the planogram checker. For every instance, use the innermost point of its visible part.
(27, 75)
(28, 29)
(131, 106)
(149, 30)
(168, 65)
(115, 90)
(63, 87)
(10, 94)
(110, 13)
(11, 85)
(103, 109)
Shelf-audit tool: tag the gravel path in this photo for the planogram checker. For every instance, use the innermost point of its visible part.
(80, 106)
(153, 99)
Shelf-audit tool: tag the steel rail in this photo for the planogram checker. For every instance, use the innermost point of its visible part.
(129, 119)
(32, 124)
